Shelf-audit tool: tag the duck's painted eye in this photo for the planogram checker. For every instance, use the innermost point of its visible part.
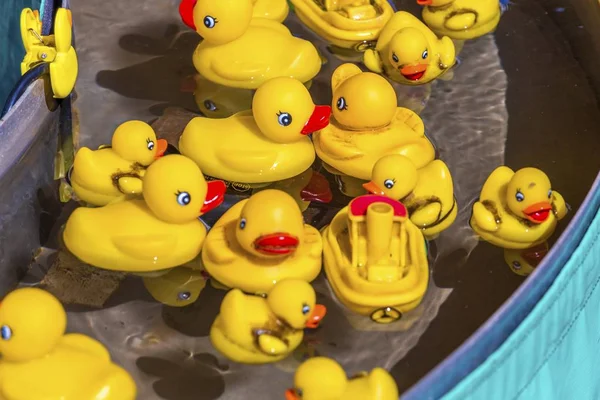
(150, 144)
(550, 193)
(519, 196)
(305, 309)
(395, 57)
(242, 223)
(425, 54)
(341, 104)
(516, 265)
(210, 22)
(284, 119)
(210, 106)
(183, 198)
(389, 183)
(5, 332)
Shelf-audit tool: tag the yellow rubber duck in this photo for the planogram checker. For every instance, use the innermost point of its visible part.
(462, 19)
(427, 193)
(40, 361)
(276, 10)
(260, 241)
(517, 210)
(256, 330)
(409, 52)
(262, 145)
(240, 51)
(322, 378)
(112, 173)
(160, 232)
(367, 124)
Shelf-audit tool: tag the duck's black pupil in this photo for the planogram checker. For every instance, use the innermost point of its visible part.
(516, 264)
(209, 105)
(286, 120)
(340, 103)
(389, 185)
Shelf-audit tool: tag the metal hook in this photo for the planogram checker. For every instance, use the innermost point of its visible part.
(37, 35)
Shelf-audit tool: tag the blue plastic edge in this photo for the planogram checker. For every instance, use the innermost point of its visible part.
(488, 338)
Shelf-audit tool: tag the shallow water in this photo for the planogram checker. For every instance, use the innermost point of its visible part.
(504, 104)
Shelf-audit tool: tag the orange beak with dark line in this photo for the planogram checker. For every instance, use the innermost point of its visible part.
(318, 120)
(276, 244)
(372, 188)
(214, 196)
(292, 394)
(424, 2)
(538, 212)
(414, 72)
(317, 316)
(161, 148)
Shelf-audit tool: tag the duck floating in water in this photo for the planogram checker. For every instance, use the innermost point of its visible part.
(321, 378)
(462, 19)
(256, 330)
(260, 241)
(517, 210)
(266, 144)
(409, 52)
(276, 10)
(244, 52)
(428, 193)
(160, 232)
(114, 173)
(40, 361)
(368, 124)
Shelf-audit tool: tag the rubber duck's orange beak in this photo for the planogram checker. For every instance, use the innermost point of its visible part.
(318, 120)
(535, 255)
(372, 188)
(161, 148)
(214, 196)
(317, 316)
(317, 190)
(538, 212)
(414, 72)
(291, 394)
(276, 244)
(424, 2)
(186, 10)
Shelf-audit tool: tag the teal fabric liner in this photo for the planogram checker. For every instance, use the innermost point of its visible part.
(555, 351)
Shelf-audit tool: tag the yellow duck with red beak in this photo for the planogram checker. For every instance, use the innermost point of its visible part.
(517, 210)
(408, 52)
(113, 173)
(261, 241)
(266, 144)
(257, 330)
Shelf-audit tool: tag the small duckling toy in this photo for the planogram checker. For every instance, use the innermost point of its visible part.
(517, 210)
(322, 378)
(266, 144)
(524, 262)
(112, 173)
(40, 361)
(428, 193)
(260, 241)
(367, 124)
(244, 52)
(409, 52)
(160, 232)
(276, 10)
(462, 19)
(256, 330)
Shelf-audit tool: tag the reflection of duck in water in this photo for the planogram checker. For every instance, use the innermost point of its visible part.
(217, 101)
(523, 262)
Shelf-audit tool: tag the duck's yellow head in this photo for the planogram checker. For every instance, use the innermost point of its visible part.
(32, 322)
(434, 3)
(361, 100)
(136, 141)
(294, 302)
(529, 195)
(410, 53)
(394, 176)
(270, 224)
(284, 110)
(318, 378)
(176, 191)
(223, 21)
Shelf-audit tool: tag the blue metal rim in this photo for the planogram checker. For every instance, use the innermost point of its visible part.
(22, 84)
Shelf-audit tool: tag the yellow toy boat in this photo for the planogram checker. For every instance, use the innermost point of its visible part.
(262, 145)
(113, 173)
(256, 330)
(240, 51)
(321, 378)
(40, 361)
(367, 124)
(517, 210)
(428, 193)
(524, 262)
(261, 241)
(345, 23)
(409, 52)
(375, 258)
(462, 19)
(161, 231)
(276, 10)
